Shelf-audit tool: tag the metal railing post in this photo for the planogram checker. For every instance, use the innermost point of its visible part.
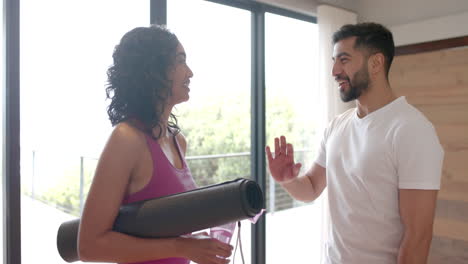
(272, 195)
(33, 174)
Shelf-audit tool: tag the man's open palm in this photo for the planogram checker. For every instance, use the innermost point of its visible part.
(282, 166)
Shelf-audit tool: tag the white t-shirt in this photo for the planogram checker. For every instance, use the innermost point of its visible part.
(367, 160)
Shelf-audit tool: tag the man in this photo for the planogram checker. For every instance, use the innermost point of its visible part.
(381, 161)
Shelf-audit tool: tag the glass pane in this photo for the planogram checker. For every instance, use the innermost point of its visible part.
(291, 110)
(2, 95)
(66, 48)
(216, 119)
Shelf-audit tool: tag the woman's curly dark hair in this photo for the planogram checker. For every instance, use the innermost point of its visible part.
(137, 81)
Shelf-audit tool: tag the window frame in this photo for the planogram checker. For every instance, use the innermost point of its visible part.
(10, 138)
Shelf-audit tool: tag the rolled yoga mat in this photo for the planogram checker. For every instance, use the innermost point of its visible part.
(176, 214)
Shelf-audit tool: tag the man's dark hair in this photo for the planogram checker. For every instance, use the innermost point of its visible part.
(371, 37)
(137, 80)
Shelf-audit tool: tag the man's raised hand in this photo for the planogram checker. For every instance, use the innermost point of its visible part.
(282, 166)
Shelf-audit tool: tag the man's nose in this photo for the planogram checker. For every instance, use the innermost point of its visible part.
(336, 70)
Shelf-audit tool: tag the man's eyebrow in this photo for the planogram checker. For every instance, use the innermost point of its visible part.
(341, 54)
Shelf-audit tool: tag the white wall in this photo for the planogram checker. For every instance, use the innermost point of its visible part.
(398, 12)
(416, 21)
(431, 29)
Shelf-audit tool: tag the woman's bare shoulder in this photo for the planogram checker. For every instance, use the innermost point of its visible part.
(128, 137)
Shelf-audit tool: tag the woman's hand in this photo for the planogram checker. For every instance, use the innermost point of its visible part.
(203, 249)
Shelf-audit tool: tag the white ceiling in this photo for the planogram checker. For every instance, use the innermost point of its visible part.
(387, 12)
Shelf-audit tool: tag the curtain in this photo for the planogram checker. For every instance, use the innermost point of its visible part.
(329, 19)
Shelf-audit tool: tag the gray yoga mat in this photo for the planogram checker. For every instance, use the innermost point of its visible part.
(177, 214)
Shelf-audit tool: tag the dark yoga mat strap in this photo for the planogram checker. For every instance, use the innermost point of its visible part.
(177, 214)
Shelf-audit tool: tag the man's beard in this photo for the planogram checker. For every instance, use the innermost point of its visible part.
(359, 85)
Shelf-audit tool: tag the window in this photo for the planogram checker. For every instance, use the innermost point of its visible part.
(291, 110)
(216, 119)
(64, 58)
(64, 125)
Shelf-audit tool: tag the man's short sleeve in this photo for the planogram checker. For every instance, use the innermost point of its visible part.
(419, 156)
(322, 150)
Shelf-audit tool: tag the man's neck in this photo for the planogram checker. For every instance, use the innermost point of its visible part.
(374, 98)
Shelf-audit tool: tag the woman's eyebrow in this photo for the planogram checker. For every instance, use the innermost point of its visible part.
(181, 54)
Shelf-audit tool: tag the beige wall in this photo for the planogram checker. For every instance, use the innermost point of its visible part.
(437, 84)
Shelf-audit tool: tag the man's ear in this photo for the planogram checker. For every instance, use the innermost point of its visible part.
(376, 63)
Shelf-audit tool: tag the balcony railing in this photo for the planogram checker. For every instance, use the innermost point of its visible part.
(206, 170)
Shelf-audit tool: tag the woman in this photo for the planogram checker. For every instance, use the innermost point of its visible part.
(144, 156)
